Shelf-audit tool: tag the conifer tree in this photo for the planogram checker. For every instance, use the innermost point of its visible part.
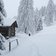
(38, 20)
(49, 13)
(26, 16)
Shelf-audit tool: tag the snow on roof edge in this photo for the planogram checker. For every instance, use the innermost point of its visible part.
(9, 22)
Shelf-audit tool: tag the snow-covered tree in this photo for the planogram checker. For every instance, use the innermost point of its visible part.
(42, 11)
(49, 13)
(2, 11)
(26, 16)
(38, 20)
(40, 26)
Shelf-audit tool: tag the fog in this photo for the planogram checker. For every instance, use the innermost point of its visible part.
(11, 6)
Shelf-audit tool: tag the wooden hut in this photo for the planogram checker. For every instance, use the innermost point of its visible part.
(8, 27)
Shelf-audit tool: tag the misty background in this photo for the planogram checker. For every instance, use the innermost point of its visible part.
(11, 6)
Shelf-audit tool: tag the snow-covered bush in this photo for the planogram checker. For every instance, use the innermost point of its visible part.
(2, 40)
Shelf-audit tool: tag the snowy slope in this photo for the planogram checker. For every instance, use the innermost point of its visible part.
(46, 41)
(41, 44)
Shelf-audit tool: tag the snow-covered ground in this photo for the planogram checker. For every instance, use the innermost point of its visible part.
(46, 41)
(40, 44)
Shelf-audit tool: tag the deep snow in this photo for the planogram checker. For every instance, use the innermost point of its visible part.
(40, 44)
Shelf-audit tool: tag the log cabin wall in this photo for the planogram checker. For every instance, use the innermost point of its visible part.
(8, 30)
(4, 31)
(11, 31)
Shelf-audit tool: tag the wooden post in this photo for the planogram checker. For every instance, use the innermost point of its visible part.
(12, 41)
(9, 46)
(17, 41)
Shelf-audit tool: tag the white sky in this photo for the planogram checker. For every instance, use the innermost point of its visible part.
(11, 6)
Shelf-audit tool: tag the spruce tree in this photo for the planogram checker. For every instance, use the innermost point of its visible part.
(26, 16)
(38, 20)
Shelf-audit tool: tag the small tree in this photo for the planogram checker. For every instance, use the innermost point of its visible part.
(40, 27)
(38, 21)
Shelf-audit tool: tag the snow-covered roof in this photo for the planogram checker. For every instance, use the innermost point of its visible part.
(9, 21)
